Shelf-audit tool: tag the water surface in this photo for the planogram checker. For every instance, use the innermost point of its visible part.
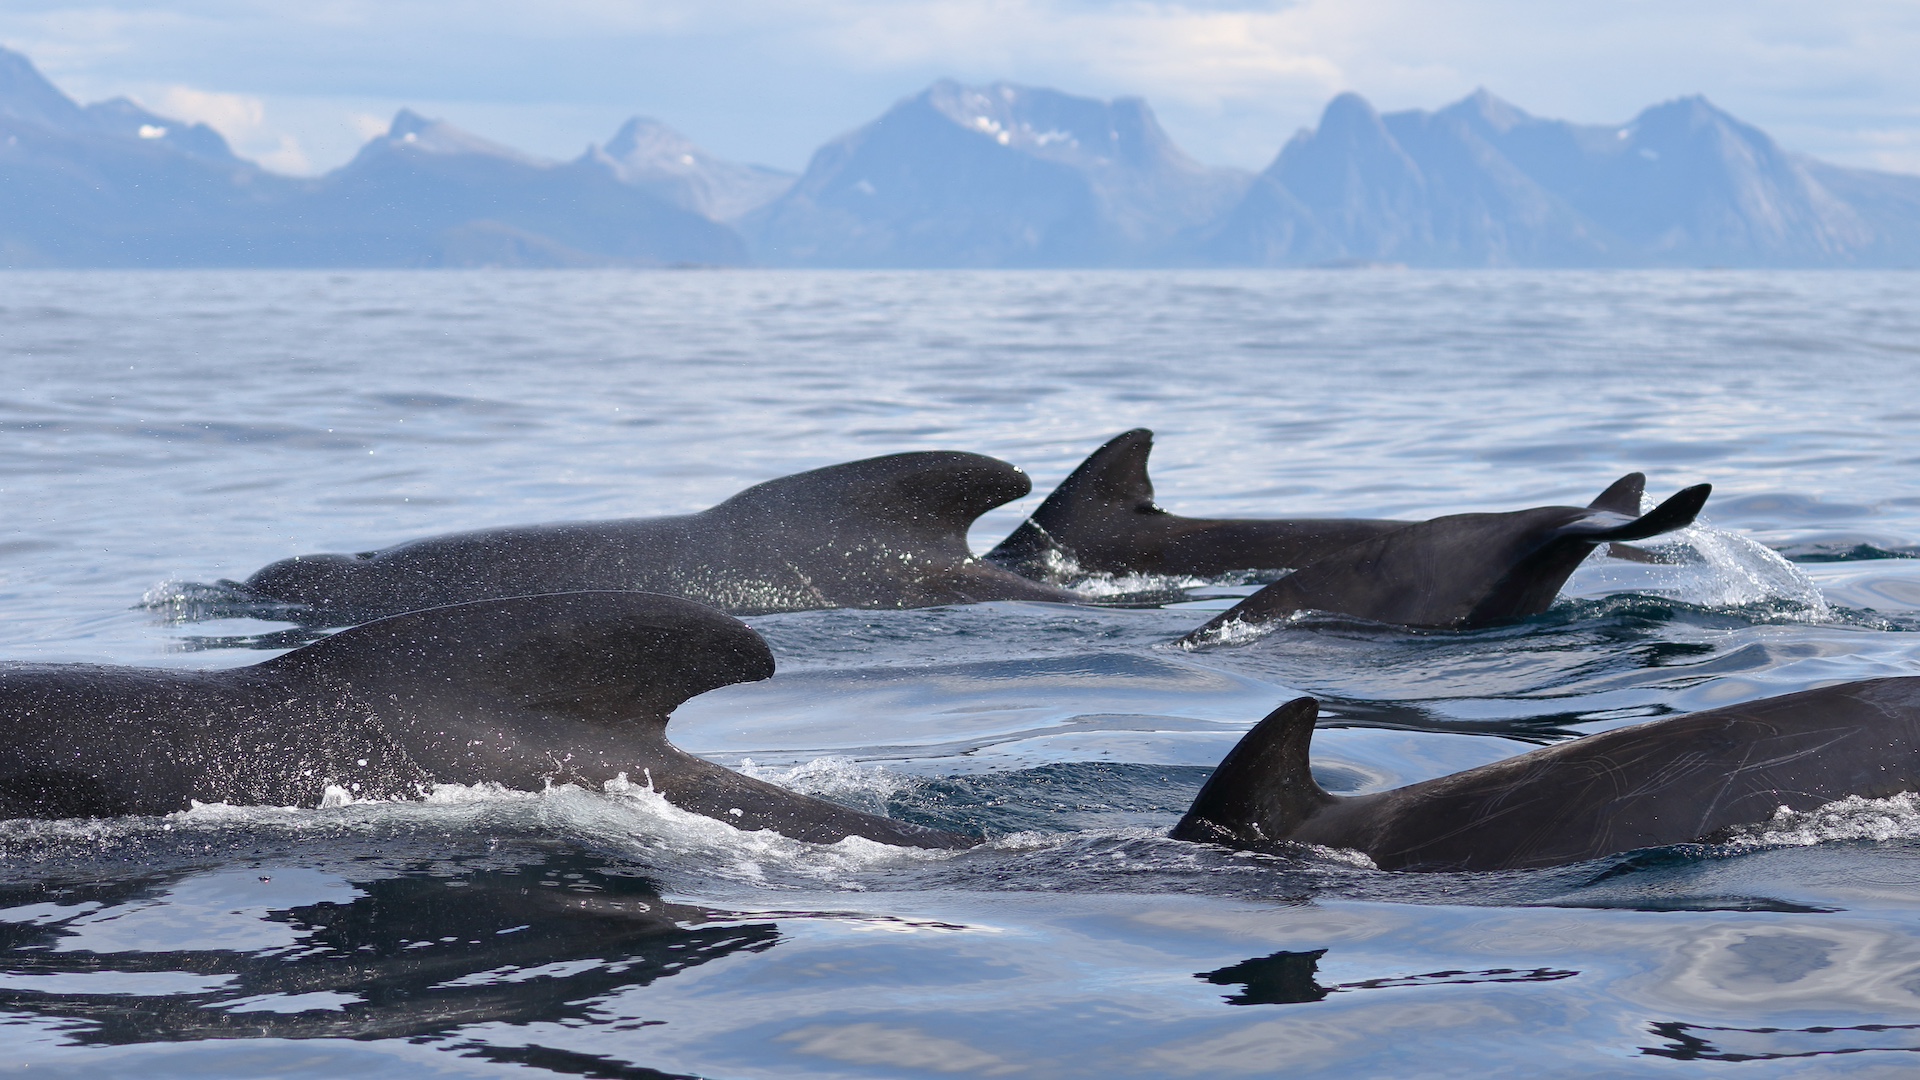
(166, 429)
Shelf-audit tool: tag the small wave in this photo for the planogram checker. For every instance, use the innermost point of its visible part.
(1102, 587)
(840, 779)
(1241, 632)
(626, 816)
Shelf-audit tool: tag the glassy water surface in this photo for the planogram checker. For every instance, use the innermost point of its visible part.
(170, 429)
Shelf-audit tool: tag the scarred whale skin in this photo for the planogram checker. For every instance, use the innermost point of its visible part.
(1650, 785)
(524, 692)
(1465, 570)
(885, 532)
(1102, 519)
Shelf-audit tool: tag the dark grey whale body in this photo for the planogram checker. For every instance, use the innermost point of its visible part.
(1465, 570)
(1102, 519)
(885, 532)
(1650, 785)
(523, 692)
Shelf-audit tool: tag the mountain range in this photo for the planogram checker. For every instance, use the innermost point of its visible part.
(955, 176)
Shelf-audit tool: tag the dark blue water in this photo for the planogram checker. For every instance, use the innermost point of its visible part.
(167, 429)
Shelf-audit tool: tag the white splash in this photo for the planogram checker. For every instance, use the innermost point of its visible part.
(1739, 570)
(1896, 817)
(1709, 568)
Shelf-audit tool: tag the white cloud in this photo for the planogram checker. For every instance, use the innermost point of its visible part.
(367, 125)
(236, 116)
(240, 118)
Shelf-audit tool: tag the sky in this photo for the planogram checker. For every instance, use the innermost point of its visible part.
(299, 86)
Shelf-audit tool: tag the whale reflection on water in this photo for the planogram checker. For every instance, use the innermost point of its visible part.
(1292, 978)
(415, 956)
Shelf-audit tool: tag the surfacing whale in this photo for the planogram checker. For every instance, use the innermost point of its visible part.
(1102, 519)
(524, 692)
(1690, 778)
(1464, 570)
(885, 532)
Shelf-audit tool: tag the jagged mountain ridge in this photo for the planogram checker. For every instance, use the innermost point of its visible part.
(112, 184)
(1482, 183)
(1002, 175)
(649, 154)
(960, 176)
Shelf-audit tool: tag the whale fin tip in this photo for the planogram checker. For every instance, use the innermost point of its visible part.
(1623, 495)
(1677, 512)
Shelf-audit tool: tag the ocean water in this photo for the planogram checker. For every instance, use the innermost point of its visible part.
(159, 431)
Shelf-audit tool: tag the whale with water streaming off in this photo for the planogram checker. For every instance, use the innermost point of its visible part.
(885, 532)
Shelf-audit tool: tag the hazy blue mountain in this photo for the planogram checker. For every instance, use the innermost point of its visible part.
(429, 194)
(1482, 183)
(956, 176)
(126, 119)
(1001, 175)
(26, 95)
(648, 154)
(115, 185)
(112, 184)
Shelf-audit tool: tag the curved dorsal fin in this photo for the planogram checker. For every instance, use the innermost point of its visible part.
(610, 656)
(1623, 495)
(1115, 474)
(1111, 482)
(934, 491)
(1264, 787)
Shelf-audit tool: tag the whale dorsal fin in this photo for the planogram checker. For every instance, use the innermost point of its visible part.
(935, 492)
(1111, 484)
(1116, 473)
(1264, 788)
(611, 656)
(1623, 495)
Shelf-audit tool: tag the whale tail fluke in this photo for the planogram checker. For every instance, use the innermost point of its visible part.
(612, 656)
(1089, 507)
(1677, 512)
(1264, 788)
(1530, 585)
(1623, 495)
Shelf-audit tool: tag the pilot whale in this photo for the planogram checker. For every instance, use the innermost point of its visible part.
(1102, 519)
(1689, 778)
(524, 692)
(885, 532)
(1465, 570)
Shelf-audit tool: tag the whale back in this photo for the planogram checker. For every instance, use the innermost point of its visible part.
(1461, 571)
(1688, 778)
(884, 532)
(605, 657)
(1103, 519)
(930, 496)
